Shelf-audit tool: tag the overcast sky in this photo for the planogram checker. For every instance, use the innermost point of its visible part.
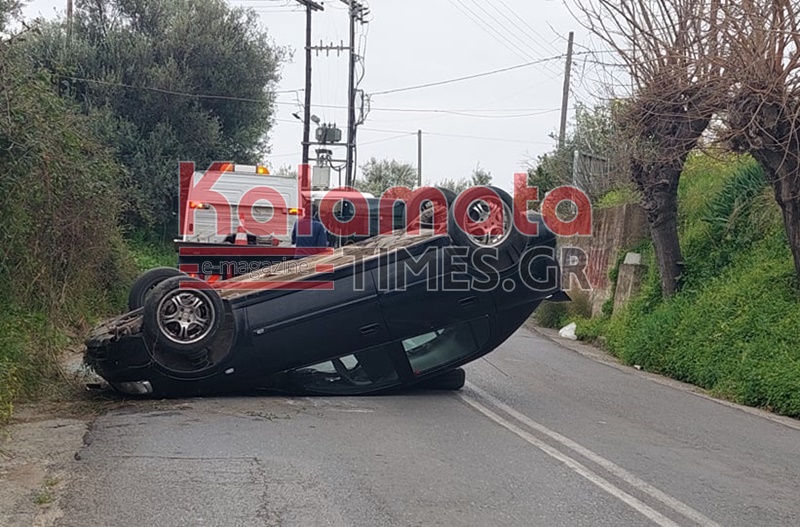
(499, 121)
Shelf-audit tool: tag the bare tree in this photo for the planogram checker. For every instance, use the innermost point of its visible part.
(666, 48)
(763, 114)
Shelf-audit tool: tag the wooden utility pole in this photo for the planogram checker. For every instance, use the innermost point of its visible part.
(351, 104)
(357, 13)
(69, 21)
(419, 158)
(310, 8)
(565, 97)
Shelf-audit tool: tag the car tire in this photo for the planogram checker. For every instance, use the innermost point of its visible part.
(144, 285)
(183, 315)
(452, 380)
(505, 248)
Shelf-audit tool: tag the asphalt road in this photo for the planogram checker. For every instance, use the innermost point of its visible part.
(541, 436)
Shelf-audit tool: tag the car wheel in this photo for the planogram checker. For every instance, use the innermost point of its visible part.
(490, 218)
(183, 315)
(143, 285)
(452, 380)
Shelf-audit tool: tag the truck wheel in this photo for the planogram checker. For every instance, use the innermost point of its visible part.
(183, 315)
(491, 221)
(145, 284)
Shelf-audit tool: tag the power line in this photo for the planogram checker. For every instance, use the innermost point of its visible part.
(172, 92)
(496, 34)
(384, 140)
(470, 112)
(524, 43)
(470, 77)
(525, 23)
(458, 136)
(464, 113)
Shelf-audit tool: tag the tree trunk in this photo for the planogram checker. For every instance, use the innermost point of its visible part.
(783, 173)
(791, 219)
(660, 201)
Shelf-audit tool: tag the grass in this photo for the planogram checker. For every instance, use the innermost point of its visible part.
(31, 343)
(28, 347)
(556, 315)
(617, 197)
(733, 328)
(151, 254)
(44, 498)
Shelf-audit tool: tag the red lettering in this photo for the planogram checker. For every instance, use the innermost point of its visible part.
(276, 224)
(413, 200)
(522, 195)
(358, 225)
(580, 225)
(202, 193)
(479, 211)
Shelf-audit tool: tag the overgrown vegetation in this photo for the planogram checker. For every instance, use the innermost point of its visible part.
(62, 256)
(92, 128)
(732, 329)
(555, 315)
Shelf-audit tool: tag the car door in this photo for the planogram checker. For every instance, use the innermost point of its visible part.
(289, 329)
(425, 289)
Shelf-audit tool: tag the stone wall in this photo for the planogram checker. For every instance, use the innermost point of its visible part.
(588, 260)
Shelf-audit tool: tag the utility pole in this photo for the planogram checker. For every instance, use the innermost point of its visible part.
(419, 158)
(310, 8)
(565, 98)
(357, 13)
(351, 104)
(69, 21)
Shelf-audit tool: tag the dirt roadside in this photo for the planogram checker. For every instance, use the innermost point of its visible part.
(34, 451)
(39, 444)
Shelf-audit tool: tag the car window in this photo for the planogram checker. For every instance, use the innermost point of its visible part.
(430, 351)
(366, 370)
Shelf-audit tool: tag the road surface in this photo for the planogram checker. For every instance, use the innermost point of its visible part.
(540, 436)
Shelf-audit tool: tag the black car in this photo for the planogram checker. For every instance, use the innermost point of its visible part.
(393, 311)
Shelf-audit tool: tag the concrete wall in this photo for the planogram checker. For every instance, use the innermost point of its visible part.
(614, 230)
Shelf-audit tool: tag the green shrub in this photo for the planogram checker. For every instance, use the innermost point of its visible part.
(581, 305)
(732, 329)
(551, 315)
(591, 329)
(62, 256)
(618, 196)
(151, 254)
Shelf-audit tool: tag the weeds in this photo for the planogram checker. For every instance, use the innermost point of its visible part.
(732, 329)
(44, 498)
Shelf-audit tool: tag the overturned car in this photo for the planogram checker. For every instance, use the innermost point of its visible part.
(400, 309)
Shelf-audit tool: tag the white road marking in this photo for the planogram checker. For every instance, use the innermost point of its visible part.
(610, 466)
(647, 511)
